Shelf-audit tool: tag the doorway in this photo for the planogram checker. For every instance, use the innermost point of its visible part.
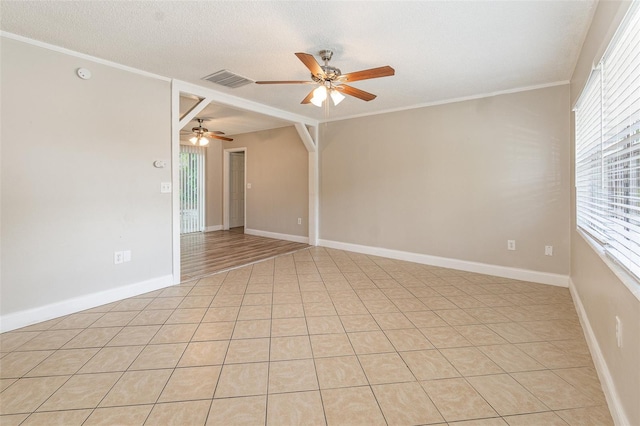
(181, 115)
(234, 187)
(236, 190)
(192, 191)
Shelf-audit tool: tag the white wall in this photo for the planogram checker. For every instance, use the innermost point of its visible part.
(78, 183)
(454, 181)
(601, 293)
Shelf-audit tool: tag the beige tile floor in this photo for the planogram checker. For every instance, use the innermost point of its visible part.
(318, 337)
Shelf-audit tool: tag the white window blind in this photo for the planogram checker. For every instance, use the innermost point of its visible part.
(608, 148)
(192, 198)
(590, 199)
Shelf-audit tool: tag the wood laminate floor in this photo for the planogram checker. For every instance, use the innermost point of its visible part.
(204, 253)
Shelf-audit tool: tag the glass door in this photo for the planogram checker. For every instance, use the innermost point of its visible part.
(191, 189)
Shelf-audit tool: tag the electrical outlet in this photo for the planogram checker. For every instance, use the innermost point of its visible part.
(126, 256)
(511, 244)
(618, 331)
(548, 250)
(165, 187)
(299, 221)
(118, 257)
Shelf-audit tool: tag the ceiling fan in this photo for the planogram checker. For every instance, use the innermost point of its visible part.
(332, 81)
(200, 134)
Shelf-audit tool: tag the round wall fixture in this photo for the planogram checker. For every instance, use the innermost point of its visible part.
(83, 73)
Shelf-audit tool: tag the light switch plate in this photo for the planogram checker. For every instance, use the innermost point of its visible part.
(165, 187)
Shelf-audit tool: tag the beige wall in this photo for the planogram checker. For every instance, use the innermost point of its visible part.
(455, 181)
(277, 169)
(78, 181)
(601, 292)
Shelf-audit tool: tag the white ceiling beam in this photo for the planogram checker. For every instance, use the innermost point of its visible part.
(241, 103)
(195, 111)
(307, 140)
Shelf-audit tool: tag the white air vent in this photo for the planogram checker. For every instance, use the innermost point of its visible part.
(228, 79)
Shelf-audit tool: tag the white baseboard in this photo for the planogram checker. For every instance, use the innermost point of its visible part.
(27, 317)
(611, 394)
(463, 265)
(213, 228)
(277, 236)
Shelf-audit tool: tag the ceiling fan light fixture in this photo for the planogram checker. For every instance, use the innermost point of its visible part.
(199, 140)
(202, 136)
(336, 97)
(331, 77)
(319, 95)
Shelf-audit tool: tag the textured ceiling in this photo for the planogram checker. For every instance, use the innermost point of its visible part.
(229, 120)
(441, 50)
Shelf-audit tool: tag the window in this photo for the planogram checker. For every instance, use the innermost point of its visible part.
(608, 148)
(192, 195)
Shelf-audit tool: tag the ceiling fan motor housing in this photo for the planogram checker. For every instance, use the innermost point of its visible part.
(331, 73)
(199, 129)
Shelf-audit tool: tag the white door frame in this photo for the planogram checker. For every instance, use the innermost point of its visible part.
(307, 129)
(226, 182)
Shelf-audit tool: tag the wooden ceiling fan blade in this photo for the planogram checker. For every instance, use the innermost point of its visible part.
(310, 62)
(307, 99)
(385, 71)
(222, 138)
(285, 82)
(215, 132)
(352, 91)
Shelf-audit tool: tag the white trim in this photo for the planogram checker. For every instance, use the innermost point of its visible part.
(213, 228)
(312, 228)
(451, 101)
(311, 143)
(237, 102)
(463, 265)
(277, 236)
(27, 317)
(175, 181)
(625, 277)
(84, 56)
(608, 385)
(314, 190)
(194, 111)
(305, 136)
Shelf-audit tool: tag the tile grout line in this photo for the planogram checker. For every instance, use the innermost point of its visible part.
(522, 299)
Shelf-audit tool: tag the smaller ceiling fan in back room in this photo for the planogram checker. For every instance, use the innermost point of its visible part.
(331, 81)
(201, 134)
